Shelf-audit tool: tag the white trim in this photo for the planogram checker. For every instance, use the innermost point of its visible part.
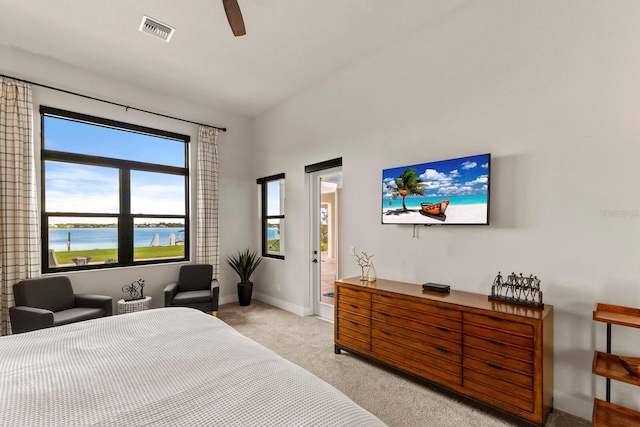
(292, 308)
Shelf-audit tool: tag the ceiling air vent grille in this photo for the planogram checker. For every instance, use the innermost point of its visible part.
(156, 29)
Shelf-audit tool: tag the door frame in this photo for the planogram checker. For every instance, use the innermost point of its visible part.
(317, 307)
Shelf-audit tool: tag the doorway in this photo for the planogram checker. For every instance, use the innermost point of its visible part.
(326, 242)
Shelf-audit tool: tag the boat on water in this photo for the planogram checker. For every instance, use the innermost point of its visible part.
(438, 208)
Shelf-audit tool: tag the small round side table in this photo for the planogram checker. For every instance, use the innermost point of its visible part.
(134, 305)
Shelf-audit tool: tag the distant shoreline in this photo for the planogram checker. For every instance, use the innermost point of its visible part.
(456, 214)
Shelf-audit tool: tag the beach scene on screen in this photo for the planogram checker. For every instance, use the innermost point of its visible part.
(454, 191)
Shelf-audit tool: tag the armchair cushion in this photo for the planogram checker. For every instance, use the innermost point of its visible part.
(76, 314)
(191, 297)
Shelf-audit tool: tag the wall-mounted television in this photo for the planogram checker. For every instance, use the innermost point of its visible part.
(445, 192)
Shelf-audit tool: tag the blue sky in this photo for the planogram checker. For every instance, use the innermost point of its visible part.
(454, 177)
(81, 188)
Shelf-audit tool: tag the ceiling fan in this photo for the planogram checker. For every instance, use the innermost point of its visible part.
(234, 16)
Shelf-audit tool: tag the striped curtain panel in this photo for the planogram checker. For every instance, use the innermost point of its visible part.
(207, 244)
(19, 232)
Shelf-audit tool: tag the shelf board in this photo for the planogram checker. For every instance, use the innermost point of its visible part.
(609, 366)
(610, 415)
(617, 314)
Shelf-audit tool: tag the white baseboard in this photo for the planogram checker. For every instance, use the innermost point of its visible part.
(227, 299)
(292, 308)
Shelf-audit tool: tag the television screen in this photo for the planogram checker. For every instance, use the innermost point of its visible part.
(454, 191)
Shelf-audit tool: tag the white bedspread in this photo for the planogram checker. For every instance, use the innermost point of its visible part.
(163, 367)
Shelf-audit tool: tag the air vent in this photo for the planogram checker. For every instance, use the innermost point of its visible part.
(156, 29)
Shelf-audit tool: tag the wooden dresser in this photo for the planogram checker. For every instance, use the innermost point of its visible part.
(497, 353)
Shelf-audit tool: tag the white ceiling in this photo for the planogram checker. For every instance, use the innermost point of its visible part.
(290, 44)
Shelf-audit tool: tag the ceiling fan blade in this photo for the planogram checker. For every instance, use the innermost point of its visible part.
(234, 16)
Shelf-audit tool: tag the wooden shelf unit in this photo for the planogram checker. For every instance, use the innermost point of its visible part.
(494, 352)
(605, 413)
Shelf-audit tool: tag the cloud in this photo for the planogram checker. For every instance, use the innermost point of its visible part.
(486, 165)
(469, 165)
(482, 179)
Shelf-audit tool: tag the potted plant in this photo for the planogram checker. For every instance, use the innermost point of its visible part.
(244, 264)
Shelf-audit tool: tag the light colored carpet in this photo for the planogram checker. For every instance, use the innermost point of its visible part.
(395, 398)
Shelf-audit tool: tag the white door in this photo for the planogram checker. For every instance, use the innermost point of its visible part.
(326, 256)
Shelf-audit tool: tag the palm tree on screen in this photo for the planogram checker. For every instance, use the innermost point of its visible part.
(407, 183)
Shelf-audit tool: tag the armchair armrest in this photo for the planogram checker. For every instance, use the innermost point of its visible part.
(170, 291)
(26, 319)
(95, 301)
(215, 293)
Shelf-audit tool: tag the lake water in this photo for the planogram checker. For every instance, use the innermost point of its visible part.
(105, 238)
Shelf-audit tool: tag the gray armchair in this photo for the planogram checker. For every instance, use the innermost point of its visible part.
(49, 301)
(195, 288)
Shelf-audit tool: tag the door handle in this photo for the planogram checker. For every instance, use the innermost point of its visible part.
(315, 260)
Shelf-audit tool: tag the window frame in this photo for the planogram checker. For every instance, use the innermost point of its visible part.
(263, 182)
(124, 217)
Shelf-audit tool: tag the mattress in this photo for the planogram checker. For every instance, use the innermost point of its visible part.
(163, 367)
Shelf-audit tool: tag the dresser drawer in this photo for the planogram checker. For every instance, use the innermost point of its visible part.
(401, 333)
(363, 303)
(346, 316)
(420, 368)
(354, 293)
(414, 308)
(505, 387)
(356, 323)
(405, 317)
(504, 350)
(436, 349)
(488, 390)
(497, 371)
(344, 330)
(344, 338)
(499, 324)
(446, 329)
(495, 335)
(498, 360)
(355, 308)
(423, 358)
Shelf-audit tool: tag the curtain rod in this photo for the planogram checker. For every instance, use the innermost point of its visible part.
(112, 103)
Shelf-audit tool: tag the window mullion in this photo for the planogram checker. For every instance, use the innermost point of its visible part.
(125, 223)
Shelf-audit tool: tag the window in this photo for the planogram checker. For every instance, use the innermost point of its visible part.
(273, 230)
(113, 193)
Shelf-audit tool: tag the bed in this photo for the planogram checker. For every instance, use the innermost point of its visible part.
(162, 367)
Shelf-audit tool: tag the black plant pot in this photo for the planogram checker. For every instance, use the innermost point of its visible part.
(244, 293)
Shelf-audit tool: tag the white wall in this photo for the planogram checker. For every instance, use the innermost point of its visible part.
(552, 90)
(235, 180)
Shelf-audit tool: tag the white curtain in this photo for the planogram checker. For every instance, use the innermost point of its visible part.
(207, 245)
(19, 232)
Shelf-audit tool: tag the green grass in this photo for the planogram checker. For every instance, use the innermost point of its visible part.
(101, 255)
(273, 245)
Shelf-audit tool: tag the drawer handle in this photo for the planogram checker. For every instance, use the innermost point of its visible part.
(442, 350)
(491, 365)
(496, 319)
(385, 332)
(440, 328)
(353, 306)
(384, 296)
(442, 308)
(353, 323)
(495, 342)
